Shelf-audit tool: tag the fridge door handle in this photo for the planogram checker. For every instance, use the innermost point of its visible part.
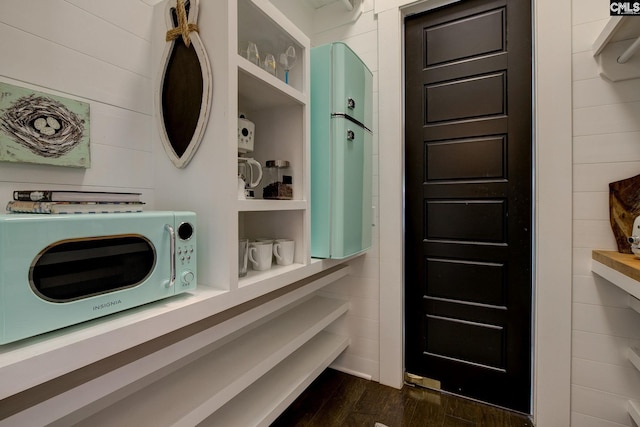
(350, 135)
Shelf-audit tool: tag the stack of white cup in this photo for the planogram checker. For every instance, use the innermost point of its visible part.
(262, 252)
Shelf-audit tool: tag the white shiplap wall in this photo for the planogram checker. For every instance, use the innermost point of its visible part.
(93, 51)
(606, 148)
(331, 23)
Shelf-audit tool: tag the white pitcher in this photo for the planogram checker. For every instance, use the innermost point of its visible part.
(250, 170)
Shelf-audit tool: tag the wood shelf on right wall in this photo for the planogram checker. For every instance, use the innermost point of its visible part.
(623, 270)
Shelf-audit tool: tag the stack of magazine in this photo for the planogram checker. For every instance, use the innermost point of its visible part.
(71, 202)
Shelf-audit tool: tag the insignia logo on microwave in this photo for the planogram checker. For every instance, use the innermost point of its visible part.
(621, 8)
(106, 305)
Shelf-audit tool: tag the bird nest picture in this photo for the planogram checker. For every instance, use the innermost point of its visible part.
(41, 128)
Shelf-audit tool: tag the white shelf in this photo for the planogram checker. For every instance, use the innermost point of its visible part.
(260, 404)
(263, 90)
(33, 361)
(627, 284)
(618, 28)
(625, 273)
(189, 395)
(634, 411)
(614, 39)
(257, 281)
(254, 277)
(634, 303)
(634, 357)
(258, 205)
(259, 21)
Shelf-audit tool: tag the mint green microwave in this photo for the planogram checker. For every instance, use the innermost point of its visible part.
(60, 270)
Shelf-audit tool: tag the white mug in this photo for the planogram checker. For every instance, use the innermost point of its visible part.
(260, 255)
(243, 254)
(263, 240)
(283, 249)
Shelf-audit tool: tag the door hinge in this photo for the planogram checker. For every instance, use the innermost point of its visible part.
(421, 381)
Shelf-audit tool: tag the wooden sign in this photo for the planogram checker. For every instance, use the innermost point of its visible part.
(624, 207)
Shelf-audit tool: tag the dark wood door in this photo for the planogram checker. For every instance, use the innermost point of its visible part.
(468, 254)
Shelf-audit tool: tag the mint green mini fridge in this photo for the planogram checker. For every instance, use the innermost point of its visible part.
(341, 152)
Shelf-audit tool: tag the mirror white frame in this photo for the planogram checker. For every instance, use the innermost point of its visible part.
(207, 86)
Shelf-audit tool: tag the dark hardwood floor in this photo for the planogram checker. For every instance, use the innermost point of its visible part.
(338, 399)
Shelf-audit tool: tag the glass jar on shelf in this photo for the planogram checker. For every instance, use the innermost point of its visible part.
(278, 182)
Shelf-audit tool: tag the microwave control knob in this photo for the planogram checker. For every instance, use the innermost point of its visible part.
(187, 277)
(185, 231)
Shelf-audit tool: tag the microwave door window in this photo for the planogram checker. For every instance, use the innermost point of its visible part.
(74, 269)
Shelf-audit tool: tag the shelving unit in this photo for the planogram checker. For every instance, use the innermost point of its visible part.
(633, 409)
(280, 112)
(614, 40)
(88, 398)
(31, 362)
(622, 270)
(191, 394)
(271, 394)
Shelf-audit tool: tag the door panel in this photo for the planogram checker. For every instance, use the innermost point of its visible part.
(443, 99)
(443, 341)
(468, 163)
(471, 281)
(465, 220)
(483, 35)
(484, 159)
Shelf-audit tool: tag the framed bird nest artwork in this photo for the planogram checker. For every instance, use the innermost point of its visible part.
(36, 127)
